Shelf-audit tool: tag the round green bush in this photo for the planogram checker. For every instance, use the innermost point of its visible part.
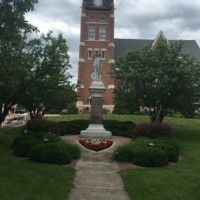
(143, 141)
(64, 112)
(55, 153)
(124, 153)
(171, 152)
(73, 149)
(24, 148)
(167, 140)
(43, 126)
(21, 139)
(152, 130)
(139, 152)
(52, 137)
(150, 157)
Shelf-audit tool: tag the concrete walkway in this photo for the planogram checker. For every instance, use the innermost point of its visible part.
(97, 180)
(97, 174)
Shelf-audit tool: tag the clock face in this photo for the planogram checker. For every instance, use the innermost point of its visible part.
(98, 2)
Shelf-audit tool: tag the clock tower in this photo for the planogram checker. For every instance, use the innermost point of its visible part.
(97, 36)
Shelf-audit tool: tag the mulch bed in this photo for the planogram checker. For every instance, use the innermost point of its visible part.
(72, 164)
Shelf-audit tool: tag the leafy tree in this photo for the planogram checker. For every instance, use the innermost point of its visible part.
(157, 80)
(14, 30)
(49, 79)
(31, 71)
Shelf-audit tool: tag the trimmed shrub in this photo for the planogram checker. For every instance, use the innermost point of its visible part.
(167, 140)
(171, 152)
(24, 148)
(64, 112)
(33, 136)
(73, 149)
(150, 157)
(142, 141)
(55, 153)
(148, 152)
(43, 126)
(152, 130)
(72, 109)
(73, 127)
(142, 155)
(117, 128)
(21, 139)
(124, 153)
(52, 137)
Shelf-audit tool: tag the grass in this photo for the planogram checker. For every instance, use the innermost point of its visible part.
(22, 179)
(15, 131)
(180, 182)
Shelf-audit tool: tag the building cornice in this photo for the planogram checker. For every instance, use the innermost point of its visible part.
(106, 5)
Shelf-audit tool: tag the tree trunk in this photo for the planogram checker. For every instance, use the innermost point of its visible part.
(31, 115)
(158, 117)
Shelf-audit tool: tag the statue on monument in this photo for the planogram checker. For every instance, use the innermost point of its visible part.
(97, 89)
(97, 66)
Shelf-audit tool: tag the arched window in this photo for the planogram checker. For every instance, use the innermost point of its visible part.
(102, 20)
(91, 29)
(102, 29)
(91, 19)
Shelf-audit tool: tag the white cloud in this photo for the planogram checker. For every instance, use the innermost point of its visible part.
(179, 19)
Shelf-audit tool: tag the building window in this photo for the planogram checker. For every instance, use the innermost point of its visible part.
(102, 32)
(90, 54)
(96, 52)
(102, 20)
(91, 32)
(91, 29)
(102, 29)
(103, 54)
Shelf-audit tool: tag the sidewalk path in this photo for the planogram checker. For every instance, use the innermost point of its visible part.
(97, 174)
(97, 180)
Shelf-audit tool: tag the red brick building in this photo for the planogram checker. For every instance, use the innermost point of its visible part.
(97, 36)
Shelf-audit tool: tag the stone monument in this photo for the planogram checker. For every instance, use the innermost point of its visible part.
(97, 89)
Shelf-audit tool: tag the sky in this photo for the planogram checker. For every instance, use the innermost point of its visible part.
(134, 19)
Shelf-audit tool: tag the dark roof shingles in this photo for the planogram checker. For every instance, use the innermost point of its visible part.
(123, 45)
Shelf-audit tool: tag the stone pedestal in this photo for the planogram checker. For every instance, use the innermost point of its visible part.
(96, 129)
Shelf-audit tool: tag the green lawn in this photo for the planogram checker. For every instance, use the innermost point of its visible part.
(21, 179)
(180, 182)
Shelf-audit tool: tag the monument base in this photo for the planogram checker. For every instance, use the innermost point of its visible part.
(95, 131)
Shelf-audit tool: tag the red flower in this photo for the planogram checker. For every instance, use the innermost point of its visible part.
(96, 144)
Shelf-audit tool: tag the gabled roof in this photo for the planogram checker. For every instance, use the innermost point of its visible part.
(123, 45)
(159, 37)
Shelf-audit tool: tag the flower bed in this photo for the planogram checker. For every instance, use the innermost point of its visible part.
(96, 144)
